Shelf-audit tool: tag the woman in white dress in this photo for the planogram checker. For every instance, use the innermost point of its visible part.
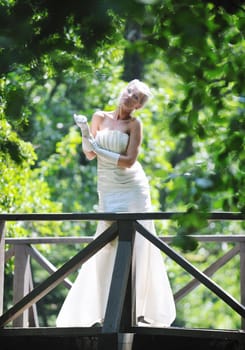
(115, 139)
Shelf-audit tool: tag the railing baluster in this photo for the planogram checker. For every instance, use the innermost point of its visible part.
(33, 314)
(21, 281)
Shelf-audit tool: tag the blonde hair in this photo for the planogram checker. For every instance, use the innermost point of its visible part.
(142, 88)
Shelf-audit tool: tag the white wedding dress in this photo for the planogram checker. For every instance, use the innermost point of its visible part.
(120, 190)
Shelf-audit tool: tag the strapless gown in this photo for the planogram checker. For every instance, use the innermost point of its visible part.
(120, 190)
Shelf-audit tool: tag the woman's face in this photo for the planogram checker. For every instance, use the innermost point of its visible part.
(131, 97)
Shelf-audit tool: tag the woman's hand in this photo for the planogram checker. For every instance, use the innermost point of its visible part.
(82, 123)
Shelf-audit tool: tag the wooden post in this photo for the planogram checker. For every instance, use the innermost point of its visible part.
(118, 314)
(21, 281)
(2, 262)
(242, 278)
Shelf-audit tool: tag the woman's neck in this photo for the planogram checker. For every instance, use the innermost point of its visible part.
(122, 113)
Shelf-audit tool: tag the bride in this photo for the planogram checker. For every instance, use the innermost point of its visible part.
(115, 139)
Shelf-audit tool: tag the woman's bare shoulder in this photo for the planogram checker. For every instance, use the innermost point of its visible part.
(136, 123)
(98, 119)
(99, 114)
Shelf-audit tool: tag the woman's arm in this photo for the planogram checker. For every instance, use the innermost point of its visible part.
(135, 139)
(95, 126)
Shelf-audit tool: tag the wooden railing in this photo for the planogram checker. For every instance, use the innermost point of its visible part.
(119, 309)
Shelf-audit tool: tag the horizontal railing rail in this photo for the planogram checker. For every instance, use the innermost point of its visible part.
(124, 222)
(116, 216)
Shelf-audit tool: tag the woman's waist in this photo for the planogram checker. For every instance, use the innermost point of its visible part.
(122, 176)
(111, 168)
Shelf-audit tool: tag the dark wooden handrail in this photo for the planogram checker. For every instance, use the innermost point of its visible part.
(116, 216)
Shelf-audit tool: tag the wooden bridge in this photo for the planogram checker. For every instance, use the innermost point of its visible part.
(118, 331)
